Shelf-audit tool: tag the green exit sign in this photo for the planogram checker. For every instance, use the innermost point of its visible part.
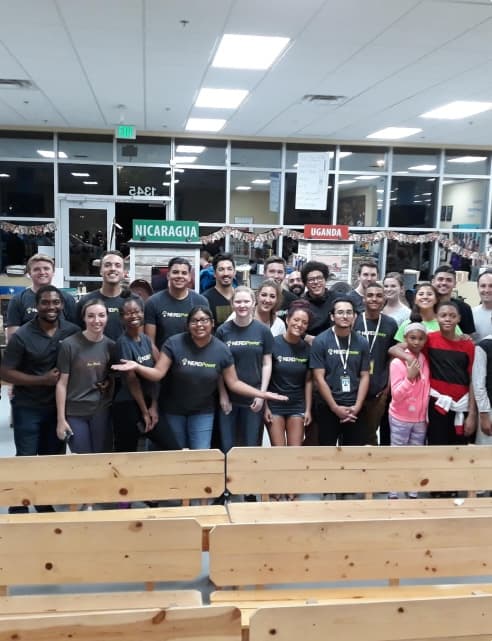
(127, 132)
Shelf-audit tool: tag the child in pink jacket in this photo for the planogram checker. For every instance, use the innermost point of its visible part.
(410, 388)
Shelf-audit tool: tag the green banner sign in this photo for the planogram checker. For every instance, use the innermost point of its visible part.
(177, 231)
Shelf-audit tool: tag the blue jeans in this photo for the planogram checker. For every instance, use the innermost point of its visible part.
(241, 427)
(193, 431)
(35, 430)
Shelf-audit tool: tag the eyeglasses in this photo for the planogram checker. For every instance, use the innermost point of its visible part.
(200, 321)
(315, 279)
(343, 312)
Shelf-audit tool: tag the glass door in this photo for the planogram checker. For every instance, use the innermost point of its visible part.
(86, 229)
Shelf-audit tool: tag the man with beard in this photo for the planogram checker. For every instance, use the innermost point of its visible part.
(30, 364)
(295, 284)
(219, 296)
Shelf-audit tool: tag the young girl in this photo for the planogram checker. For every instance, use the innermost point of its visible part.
(269, 298)
(410, 387)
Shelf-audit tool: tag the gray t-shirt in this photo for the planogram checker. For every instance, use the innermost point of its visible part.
(169, 314)
(114, 326)
(87, 364)
(483, 322)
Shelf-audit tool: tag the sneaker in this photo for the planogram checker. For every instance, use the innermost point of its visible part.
(250, 498)
(393, 495)
(412, 495)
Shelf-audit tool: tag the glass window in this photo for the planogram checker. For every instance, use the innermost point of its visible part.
(464, 204)
(417, 256)
(26, 189)
(469, 241)
(200, 194)
(364, 251)
(292, 151)
(85, 179)
(153, 150)
(412, 201)
(143, 181)
(293, 216)
(88, 239)
(25, 145)
(19, 241)
(425, 161)
(466, 162)
(205, 152)
(77, 147)
(256, 154)
(360, 200)
(125, 213)
(363, 159)
(255, 198)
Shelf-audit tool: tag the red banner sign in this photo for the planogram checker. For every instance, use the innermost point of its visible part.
(326, 232)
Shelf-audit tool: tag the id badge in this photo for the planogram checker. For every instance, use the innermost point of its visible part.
(371, 366)
(345, 381)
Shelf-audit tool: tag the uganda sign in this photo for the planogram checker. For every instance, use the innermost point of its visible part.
(177, 231)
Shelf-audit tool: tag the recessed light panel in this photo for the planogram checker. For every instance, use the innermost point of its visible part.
(457, 110)
(205, 124)
(467, 160)
(220, 98)
(423, 168)
(394, 133)
(248, 52)
(190, 149)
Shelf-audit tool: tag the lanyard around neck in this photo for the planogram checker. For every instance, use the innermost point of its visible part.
(366, 331)
(344, 359)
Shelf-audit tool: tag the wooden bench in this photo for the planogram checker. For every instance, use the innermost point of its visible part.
(366, 470)
(172, 624)
(432, 549)
(454, 618)
(93, 552)
(115, 478)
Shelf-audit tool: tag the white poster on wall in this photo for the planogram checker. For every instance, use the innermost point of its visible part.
(312, 180)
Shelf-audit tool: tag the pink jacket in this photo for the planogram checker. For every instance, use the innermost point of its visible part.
(409, 399)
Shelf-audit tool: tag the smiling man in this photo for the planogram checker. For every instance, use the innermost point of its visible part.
(22, 307)
(112, 271)
(167, 310)
(340, 363)
(314, 276)
(378, 329)
(219, 296)
(482, 314)
(30, 364)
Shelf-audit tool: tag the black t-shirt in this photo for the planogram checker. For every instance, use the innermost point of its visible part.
(467, 324)
(290, 365)
(287, 298)
(31, 351)
(190, 387)
(327, 354)
(379, 358)
(320, 312)
(248, 346)
(220, 306)
(140, 351)
(169, 314)
(114, 326)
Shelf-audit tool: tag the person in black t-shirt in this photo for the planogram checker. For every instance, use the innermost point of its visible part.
(444, 280)
(219, 296)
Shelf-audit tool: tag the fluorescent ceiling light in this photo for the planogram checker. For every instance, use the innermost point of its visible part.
(366, 177)
(166, 184)
(346, 182)
(185, 159)
(458, 109)
(395, 133)
(380, 191)
(468, 159)
(205, 124)
(248, 52)
(423, 168)
(90, 182)
(81, 174)
(242, 188)
(190, 149)
(431, 180)
(427, 193)
(401, 172)
(45, 153)
(448, 182)
(176, 181)
(380, 162)
(261, 181)
(342, 154)
(221, 98)
(4, 175)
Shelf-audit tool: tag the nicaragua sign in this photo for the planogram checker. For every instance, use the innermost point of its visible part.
(326, 232)
(177, 231)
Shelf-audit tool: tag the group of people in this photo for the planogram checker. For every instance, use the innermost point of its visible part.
(192, 370)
